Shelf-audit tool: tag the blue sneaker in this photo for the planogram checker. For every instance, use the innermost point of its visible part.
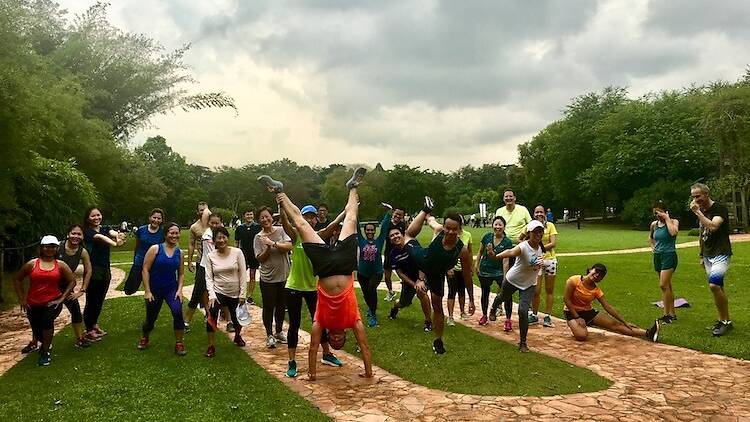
(372, 321)
(292, 371)
(44, 359)
(331, 360)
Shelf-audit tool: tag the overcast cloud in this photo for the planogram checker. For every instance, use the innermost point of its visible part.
(439, 84)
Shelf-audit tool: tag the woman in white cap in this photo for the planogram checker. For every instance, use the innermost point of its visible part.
(521, 277)
(43, 302)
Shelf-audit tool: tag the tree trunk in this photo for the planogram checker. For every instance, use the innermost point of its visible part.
(2, 268)
(744, 216)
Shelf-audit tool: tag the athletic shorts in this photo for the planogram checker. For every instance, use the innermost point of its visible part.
(549, 267)
(665, 261)
(435, 284)
(251, 262)
(716, 267)
(337, 312)
(339, 259)
(587, 316)
(407, 295)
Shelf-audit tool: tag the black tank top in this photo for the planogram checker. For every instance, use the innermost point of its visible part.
(71, 260)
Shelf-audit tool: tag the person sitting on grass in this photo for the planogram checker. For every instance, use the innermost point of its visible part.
(580, 292)
(337, 308)
(163, 277)
(407, 271)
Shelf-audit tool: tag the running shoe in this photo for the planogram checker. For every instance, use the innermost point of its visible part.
(230, 327)
(82, 343)
(429, 204)
(464, 316)
(393, 314)
(44, 359)
(179, 349)
(91, 336)
(291, 372)
(483, 320)
(438, 347)
(99, 331)
(523, 348)
(493, 317)
(548, 322)
(721, 328)
(187, 328)
(507, 326)
(533, 319)
(356, 179)
(250, 300)
(239, 341)
(331, 360)
(271, 342)
(273, 186)
(666, 319)
(143, 343)
(33, 345)
(211, 351)
(653, 333)
(280, 337)
(427, 326)
(390, 296)
(451, 322)
(372, 321)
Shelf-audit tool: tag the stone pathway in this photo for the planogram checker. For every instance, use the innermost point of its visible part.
(651, 381)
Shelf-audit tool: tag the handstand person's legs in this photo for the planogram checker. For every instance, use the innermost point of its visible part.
(306, 232)
(349, 226)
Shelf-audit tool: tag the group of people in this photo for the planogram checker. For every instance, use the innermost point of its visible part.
(307, 258)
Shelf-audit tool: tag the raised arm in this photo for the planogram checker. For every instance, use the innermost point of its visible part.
(328, 231)
(673, 225)
(385, 227)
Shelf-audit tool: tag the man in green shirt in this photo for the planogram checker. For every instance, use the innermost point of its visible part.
(516, 216)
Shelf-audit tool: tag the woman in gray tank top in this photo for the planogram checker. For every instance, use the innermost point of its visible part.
(73, 253)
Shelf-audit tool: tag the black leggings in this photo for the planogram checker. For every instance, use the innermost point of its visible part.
(486, 283)
(75, 310)
(95, 295)
(231, 304)
(153, 308)
(456, 285)
(42, 318)
(273, 305)
(294, 300)
(199, 287)
(369, 287)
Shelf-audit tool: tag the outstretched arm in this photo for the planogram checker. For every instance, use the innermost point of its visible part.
(312, 354)
(328, 230)
(359, 334)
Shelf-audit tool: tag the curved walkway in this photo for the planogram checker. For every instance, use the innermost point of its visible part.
(651, 381)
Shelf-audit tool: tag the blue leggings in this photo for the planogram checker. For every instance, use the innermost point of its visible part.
(153, 308)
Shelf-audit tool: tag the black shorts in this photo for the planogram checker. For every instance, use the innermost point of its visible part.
(407, 295)
(251, 262)
(456, 285)
(199, 287)
(339, 259)
(587, 316)
(435, 283)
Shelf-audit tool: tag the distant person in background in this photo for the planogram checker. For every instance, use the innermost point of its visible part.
(244, 236)
(716, 250)
(146, 236)
(566, 215)
(322, 217)
(550, 216)
(662, 238)
(548, 272)
(516, 216)
(398, 221)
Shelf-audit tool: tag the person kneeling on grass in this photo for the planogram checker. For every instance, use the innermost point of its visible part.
(334, 265)
(163, 276)
(580, 292)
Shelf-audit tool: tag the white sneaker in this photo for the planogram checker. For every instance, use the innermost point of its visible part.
(451, 322)
(464, 316)
(280, 337)
(391, 296)
(271, 342)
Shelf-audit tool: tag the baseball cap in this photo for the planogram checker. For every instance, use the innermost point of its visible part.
(534, 224)
(243, 315)
(49, 240)
(308, 209)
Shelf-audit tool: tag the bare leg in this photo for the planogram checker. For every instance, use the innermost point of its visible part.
(435, 226)
(437, 315)
(361, 336)
(608, 323)
(549, 289)
(426, 307)
(350, 221)
(306, 232)
(665, 283)
(721, 301)
(415, 226)
(579, 330)
(312, 354)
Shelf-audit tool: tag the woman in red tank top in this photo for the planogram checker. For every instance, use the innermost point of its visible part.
(42, 302)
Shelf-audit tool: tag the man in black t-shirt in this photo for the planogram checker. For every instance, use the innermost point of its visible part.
(406, 268)
(244, 235)
(322, 217)
(716, 250)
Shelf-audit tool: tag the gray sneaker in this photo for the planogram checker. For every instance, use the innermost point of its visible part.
(533, 319)
(548, 322)
(280, 337)
(721, 328)
(273, 186)
(356, 179)
(271, 342)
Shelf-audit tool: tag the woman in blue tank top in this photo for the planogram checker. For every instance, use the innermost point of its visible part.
(163, 277)
(662, 239)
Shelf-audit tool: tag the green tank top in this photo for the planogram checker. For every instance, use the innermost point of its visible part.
(301, 275)
(664, 241)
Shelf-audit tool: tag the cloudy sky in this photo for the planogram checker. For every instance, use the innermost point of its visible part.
(437, 84)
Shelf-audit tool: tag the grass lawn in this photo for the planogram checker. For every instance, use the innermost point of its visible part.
(112, 380)
(631, 285)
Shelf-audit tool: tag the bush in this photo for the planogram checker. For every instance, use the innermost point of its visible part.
(638, 210)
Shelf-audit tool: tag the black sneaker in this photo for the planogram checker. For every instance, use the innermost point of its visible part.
(357, 176)
(429, 205)
(721, 328)
(427, 326)
(393, 314)
(33, 345)
(493, 315)
(437, 346)
(273, 186)
(666, 319)
(523, 348)
(652, 334)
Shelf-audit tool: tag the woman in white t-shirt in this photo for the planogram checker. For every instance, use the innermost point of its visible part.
(226, 282)
(521, 277)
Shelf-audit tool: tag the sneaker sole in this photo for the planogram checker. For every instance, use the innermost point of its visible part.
(325, 362)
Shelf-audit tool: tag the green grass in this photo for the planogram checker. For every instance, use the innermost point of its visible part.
(475, 363)
(631, 285)
(112, 380)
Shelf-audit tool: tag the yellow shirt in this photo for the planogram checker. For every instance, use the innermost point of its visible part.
(466, 239)
(515, 222)
(549, 231)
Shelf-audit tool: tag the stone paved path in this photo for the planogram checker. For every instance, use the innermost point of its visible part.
(651, 381)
